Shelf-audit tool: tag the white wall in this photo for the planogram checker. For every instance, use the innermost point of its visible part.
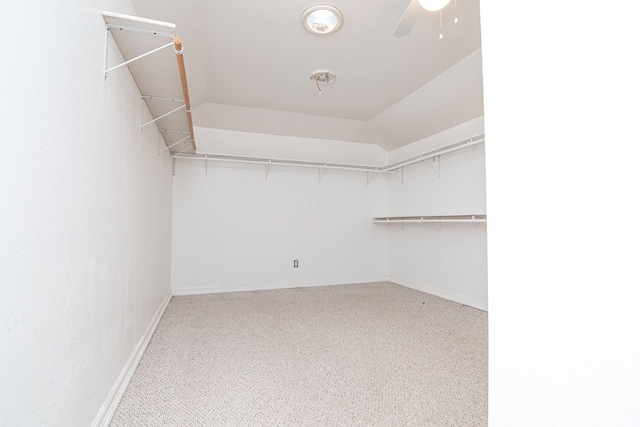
(234, 230)
(453, 96)
(450, 259)
(282, 147)
(452, 135)
(282, 123)
(85, 216)
(561, 113)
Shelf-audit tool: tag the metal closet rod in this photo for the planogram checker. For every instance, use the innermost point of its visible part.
(474, 140)
(277, 162)
(392, 168)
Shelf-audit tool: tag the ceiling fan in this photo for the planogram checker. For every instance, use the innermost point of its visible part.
(414, 9)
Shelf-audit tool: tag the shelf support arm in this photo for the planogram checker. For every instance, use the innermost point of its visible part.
(266, 170)
(321, 173)
(437, 169)
(162, 116)
(130, 60)
(175, 143)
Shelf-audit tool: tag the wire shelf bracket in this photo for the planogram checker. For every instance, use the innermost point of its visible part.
(321, 172)
(174, 144)
(112, 20)
(149, 27)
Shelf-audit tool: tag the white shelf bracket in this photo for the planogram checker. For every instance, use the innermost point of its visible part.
(142, 26)
(106, 45)
(162, 116)
(174, 144)
(180, 152)
(369, 177)
(437, 168)
(321, 172)
(397, 172)
(266, 170)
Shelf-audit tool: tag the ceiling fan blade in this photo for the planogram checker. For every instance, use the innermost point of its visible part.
(408, 19)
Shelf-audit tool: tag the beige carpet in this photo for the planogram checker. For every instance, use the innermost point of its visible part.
(375, 354)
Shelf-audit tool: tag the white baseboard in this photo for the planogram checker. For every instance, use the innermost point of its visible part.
(272, 286)
(110, 405)
(451, 296)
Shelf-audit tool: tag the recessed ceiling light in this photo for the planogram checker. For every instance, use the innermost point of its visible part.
(322, 19)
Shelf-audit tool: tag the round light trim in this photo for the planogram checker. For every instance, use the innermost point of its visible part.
(322, 19)
(433, 5)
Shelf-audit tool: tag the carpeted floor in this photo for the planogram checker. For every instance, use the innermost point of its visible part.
(375, 354)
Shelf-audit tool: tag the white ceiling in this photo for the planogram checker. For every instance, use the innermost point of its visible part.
(255, 57)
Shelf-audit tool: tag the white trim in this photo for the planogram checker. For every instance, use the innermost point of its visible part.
(110, 405)
(451, 296)
(262, 287)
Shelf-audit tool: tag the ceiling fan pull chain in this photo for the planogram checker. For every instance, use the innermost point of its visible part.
(318, 85)
(440, 24)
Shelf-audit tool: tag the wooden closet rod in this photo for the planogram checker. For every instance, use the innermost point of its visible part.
(185, 88)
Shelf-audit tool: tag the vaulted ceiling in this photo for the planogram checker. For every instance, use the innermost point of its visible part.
(249, 65)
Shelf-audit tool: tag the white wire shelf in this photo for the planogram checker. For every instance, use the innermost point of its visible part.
(279, 162)
(468, 219)
(393, 168)
(137, 38)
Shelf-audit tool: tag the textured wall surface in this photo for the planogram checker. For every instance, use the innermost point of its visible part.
(448, 259)
(85, 215)
(235, 230)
